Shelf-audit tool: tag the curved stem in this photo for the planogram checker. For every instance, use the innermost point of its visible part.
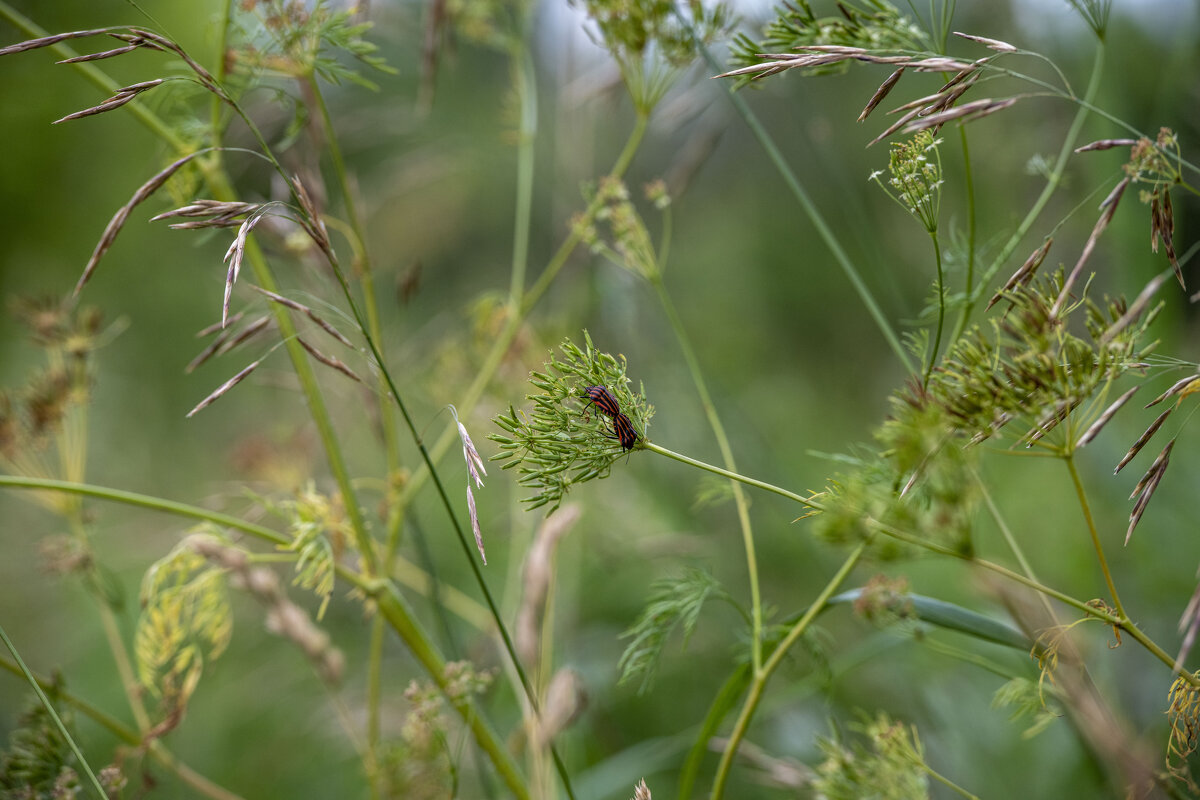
(941, 307)
(759, 682)
(770, 487)
(739, 496)
(1091, 526)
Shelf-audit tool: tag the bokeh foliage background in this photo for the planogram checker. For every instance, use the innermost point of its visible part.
(796, 367)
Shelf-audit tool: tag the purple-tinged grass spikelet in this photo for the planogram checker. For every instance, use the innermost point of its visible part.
(225, 387)
(1095, 428)
(118, 221)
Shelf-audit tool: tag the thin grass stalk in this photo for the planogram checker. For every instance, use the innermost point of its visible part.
(387, 420)
(102, 718)
(1017, 551)
(506, 336)
(814, 216)
(221, 60)
(941, 307)
(469, 553)
(525, 82)
(739, 496)
(969, 186)
(1091, 525)
(58, 723)
(759, 682)
(1048, 190)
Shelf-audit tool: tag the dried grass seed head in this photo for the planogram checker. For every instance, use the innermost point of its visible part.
(879, 29)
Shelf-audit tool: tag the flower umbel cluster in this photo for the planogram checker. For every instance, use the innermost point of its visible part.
(562, 442)
(916, 182)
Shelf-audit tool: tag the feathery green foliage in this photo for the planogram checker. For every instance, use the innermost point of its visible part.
(889, 763)
(185, 623)
(563, 443)
(674, 602)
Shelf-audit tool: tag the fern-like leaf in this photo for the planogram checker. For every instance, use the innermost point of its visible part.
(673, 602)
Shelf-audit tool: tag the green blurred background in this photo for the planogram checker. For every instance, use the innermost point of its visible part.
(795, 365)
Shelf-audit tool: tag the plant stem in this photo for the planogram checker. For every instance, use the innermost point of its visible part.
(387, 417)
(1091, 526)
(969, 185)
(221, 60)
(58, 723)
(759, 681)
(739, 496)
(1052, 184)
(814, 216)
(942, 779)
(941, 307)
(525, 82)
(662, 451)
(392, 607)
(1011, 540)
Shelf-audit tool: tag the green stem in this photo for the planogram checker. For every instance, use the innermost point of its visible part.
(1091, 526)
(1052, 184)
(942, 779)
(739, 496)
(525, 81)
(374, 704)
(759, 682)
(146, 501)
(969, 185)
(1011, 540)
(387, 418)
(770, 487)
(392, 607)
(941, 307)
(814, 216)
(58, 723)
(221, 59)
